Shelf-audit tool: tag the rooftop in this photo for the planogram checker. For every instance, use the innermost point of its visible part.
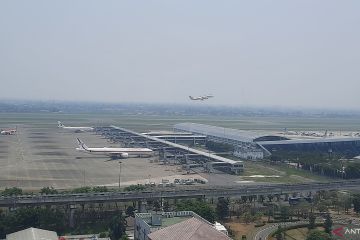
(157, 221)
(33, 234)
(190, 229)
(171, 221)
(192, 150)
(266, 138)
(221, 132)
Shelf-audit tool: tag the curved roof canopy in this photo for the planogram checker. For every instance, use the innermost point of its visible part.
(227, 133)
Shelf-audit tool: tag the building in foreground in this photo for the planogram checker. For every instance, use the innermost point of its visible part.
(40, 234)
(185, 225)
(32, 234)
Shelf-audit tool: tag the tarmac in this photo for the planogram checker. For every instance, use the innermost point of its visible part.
(40, 156)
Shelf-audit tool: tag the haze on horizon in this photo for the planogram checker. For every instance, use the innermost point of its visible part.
(249, 53)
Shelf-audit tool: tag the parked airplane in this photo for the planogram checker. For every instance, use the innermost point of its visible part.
(114, 152)
(76, 129)
(8, 131)
(202, 98)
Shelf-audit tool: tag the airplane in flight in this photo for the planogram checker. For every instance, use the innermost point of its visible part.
(76, 129)
(201, 98)
(114, 152)
(8, 131)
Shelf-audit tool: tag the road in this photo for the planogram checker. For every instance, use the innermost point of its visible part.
(265, 232)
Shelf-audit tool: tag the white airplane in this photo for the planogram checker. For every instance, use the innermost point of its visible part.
(8, 131)
(202, 98)
(114, 152)
(76, 129)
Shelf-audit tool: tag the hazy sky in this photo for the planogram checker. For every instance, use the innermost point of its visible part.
(258, 53)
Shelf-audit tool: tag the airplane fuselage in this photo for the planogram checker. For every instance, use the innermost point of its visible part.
(8, 132)
(201, 98)
(80, 129)
(130, 151)
(114, 152)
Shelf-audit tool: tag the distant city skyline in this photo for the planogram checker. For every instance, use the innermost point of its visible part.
(290, 54)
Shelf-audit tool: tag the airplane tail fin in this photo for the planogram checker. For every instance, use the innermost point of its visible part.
(60, 125)
(82, 145)
(191, 97)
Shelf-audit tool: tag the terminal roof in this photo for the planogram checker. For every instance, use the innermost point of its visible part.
(221, 132)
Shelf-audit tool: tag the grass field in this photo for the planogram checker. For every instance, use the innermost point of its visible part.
(155, 122)
(285, 174)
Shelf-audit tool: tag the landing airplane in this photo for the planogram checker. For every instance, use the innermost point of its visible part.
(202, 98)
(115, 152)
(76, 129)
(8, 131)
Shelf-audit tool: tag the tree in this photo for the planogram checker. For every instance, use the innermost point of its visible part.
(12, 191)
(279, 234)
(199, 207)
(222, 208)
(157, 206)
(258, 216)
(44, 218)
(303, 208)
(100, 189)
(277, 196)
(353, 170)
(247, 217)
(103, 235)
(166, 206)
(270, 197)
(270, 211)
(138, 187)
(130, 211)
(48, 190)
(284, 213)
(117, 227)
(356, 202)
(312, 219)
(328, 224)
(321, 206)
(81, 190)
(347, 204)
(318, 235)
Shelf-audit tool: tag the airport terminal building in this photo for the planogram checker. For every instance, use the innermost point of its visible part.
(253, 145)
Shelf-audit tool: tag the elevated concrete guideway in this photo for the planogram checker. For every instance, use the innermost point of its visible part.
(237, 166)
(220, 191)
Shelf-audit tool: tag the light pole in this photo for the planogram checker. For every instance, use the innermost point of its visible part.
(120, 174)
